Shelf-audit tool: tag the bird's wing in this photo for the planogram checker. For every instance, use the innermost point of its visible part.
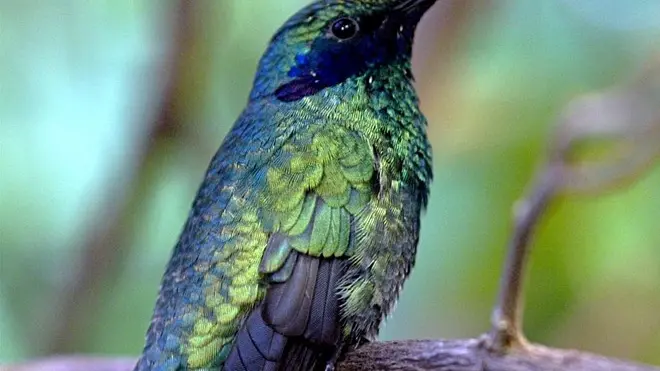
(256, 270)
(212, 279)
(315, 186)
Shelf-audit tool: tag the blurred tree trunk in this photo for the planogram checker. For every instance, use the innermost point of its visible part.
(103, 253)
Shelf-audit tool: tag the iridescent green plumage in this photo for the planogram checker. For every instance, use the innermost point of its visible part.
(306, 224)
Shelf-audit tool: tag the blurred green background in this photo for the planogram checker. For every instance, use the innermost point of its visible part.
(107, 124)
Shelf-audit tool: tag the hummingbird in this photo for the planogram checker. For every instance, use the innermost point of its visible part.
(307, 221)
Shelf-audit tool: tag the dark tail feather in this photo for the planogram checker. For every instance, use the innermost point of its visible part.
(257, 346)
(296, 328)
(303, 356)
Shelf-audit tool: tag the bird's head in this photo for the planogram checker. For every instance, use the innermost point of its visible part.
(333, 41)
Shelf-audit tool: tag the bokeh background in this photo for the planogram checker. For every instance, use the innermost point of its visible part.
(111, 110)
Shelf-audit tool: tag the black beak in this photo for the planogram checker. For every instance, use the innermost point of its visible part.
(414, 8)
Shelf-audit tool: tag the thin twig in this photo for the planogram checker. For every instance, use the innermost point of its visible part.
(631, 116)
(508, 314)
(628, 116)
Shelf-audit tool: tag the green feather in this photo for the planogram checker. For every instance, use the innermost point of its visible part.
(343, 233)
(304, 218)
(320, 229)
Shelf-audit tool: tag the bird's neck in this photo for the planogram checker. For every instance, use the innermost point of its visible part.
(400, 140)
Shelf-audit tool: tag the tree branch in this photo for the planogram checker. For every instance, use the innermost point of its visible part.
(412, 355)
(473, 355)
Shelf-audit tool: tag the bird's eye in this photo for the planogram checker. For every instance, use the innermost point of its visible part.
(344, 28)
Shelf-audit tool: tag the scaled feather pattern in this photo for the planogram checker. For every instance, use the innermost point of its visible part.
(306, 224)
